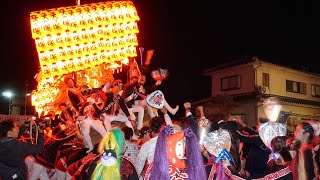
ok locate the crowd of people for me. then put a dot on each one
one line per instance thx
(195, 148)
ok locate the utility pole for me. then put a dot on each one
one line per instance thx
(26, 96)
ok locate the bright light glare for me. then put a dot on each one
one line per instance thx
(7, 94)
(275, 113)
(272, 108)
(28, 94)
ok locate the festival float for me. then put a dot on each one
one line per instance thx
(85, 42)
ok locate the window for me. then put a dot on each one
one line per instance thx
(265, 79)
(230, 83)
(296, 87)
(315, 90)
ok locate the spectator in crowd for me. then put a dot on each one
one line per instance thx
(13, 151)
(131, 150)
(304, 164)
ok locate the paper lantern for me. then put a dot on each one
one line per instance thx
(98, 26)
(83, 38)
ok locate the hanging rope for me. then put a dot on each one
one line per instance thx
(32, 139)
(32, 122)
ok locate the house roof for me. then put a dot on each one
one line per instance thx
(232, 62)
(248, 60)
(295, 100)
(256, 95)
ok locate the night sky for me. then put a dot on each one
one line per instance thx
(187, 36)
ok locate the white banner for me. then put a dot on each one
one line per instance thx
(19, 119)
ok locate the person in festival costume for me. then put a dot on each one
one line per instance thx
(110, 164)
(147, 150)
(278, 164)
(66, 157)
(280, 158)
(46, 159)
(66, 114)
(169, 161)
(74, 95)
(258, 153)
(91, 120)
(129, 95)
(304, 165)
(79, 169)
(114, 109)
(317, 150)
(141, 90)
(145, 135)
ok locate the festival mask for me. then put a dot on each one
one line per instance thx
(108, 157)
(176, 150)
(156, 99)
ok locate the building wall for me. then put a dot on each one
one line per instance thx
(248, 109)
(252, 78)
(278, 76)
(247, 80)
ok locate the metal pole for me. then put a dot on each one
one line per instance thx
(9, 105)
(25, 100)
(25, 105)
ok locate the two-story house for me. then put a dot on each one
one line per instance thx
(250, 81)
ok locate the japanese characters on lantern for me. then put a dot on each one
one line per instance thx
(81, 38)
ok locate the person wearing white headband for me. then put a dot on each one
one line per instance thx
(304, 164)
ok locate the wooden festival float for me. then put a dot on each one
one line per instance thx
(85, 42)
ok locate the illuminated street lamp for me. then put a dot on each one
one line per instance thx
(9, 95)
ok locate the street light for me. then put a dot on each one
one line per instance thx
(25, 103)
(9, 95)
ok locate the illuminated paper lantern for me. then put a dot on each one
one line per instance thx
(68, 32)
(88, 38)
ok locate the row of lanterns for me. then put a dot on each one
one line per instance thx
(71, 19)
(84, 62)
(69, 52)
(52, 41)
(125, 44)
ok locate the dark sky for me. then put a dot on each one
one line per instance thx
(187, 36)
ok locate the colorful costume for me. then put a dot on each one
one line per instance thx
(169, 161)
(109, 164)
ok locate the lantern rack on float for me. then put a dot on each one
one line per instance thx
(83, 40)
